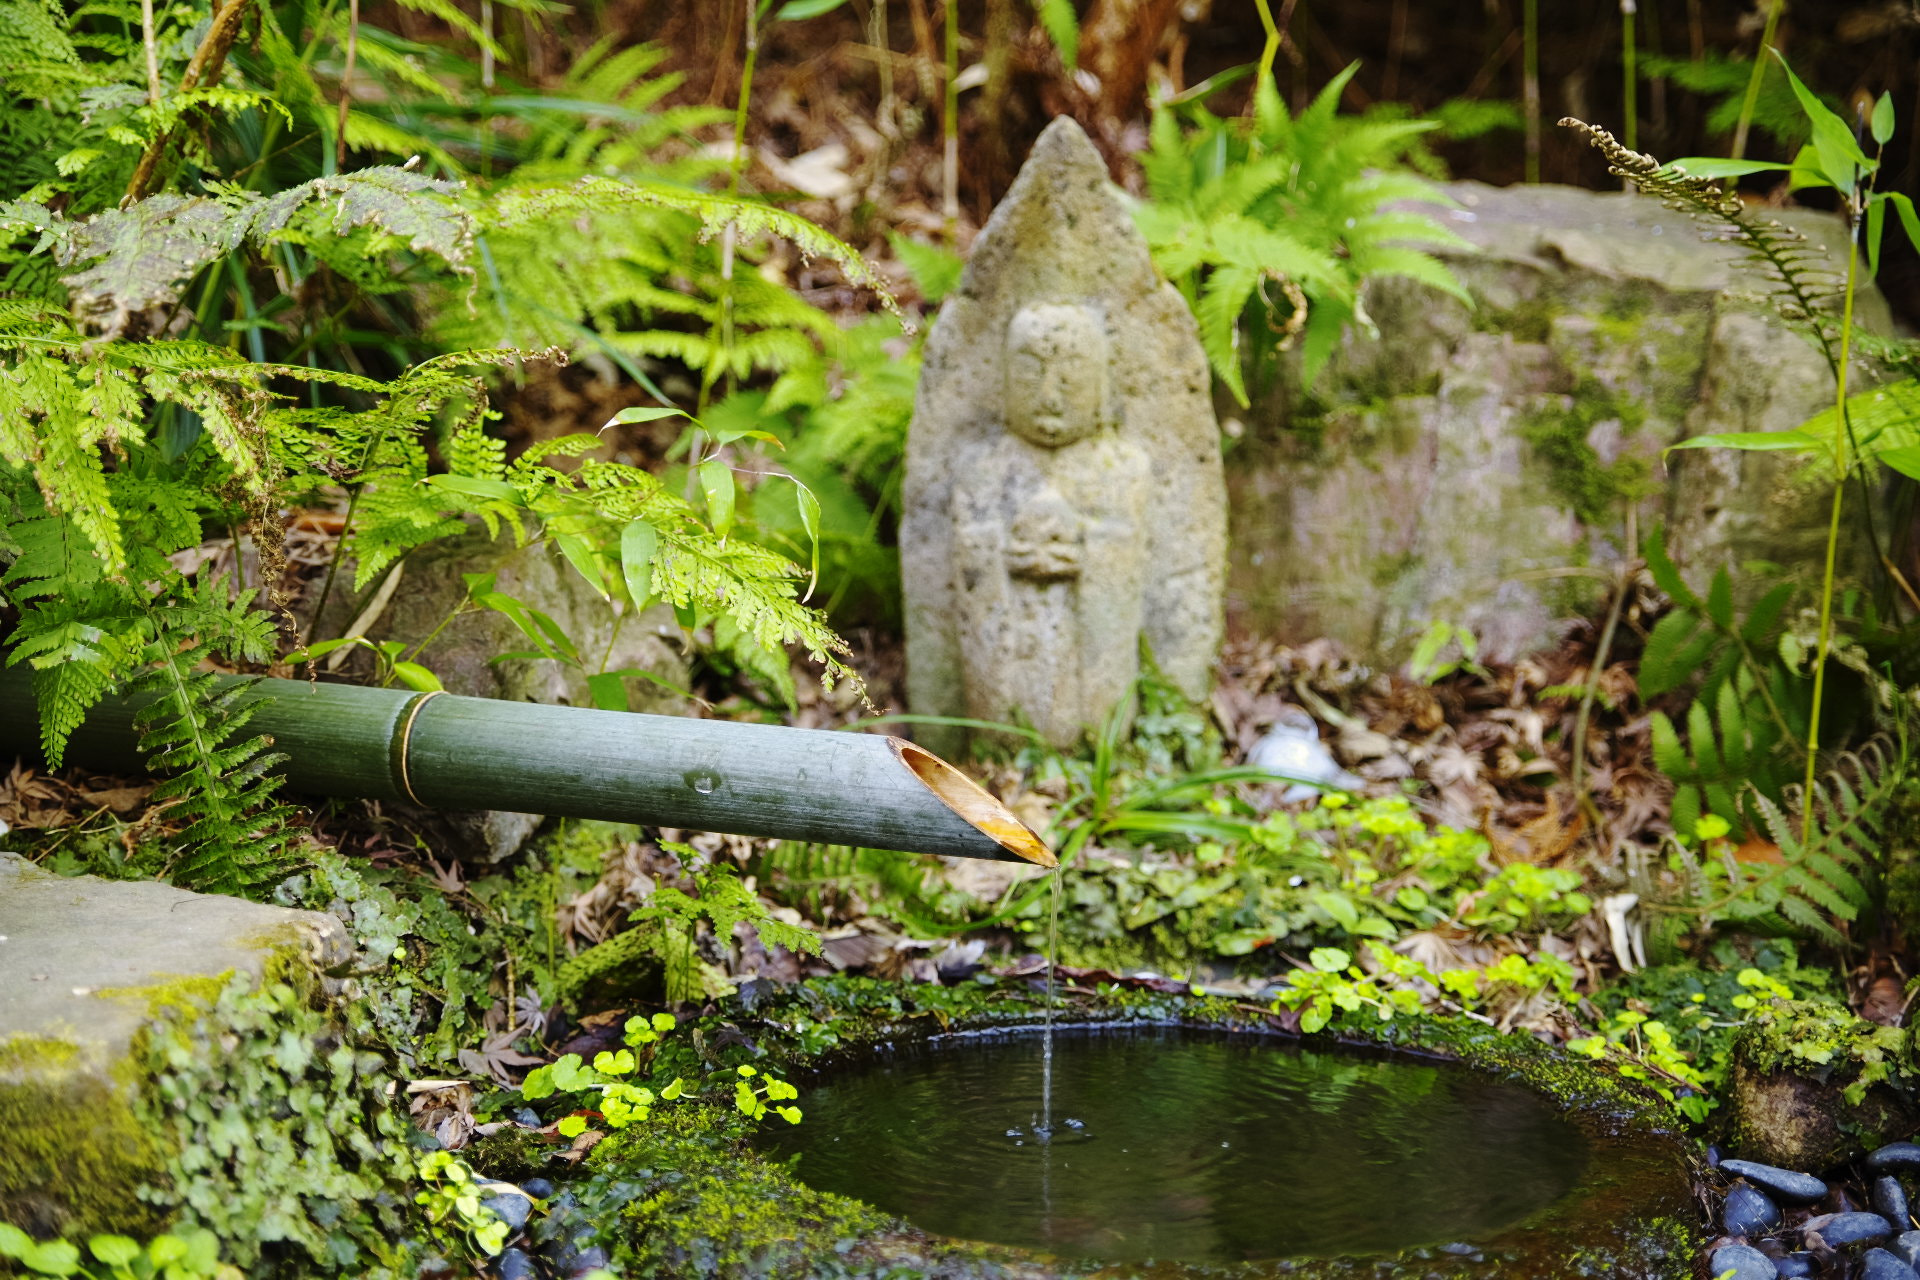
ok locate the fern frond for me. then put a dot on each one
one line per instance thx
(1803, 286)
(593, 195)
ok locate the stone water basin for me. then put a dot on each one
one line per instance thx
(1188, 1151)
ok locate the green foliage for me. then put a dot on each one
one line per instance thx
(1798, 279)
(138, 258)
(1244, 211)
(1748, 711)
(454, 1210)
(1443, 649)
(669, 930)
(421, 961)
(1723, 80)
(188, 1255)
(606, 1089)
(1838, 874)
(118, 446)
(278, 1117)
(1394, 985)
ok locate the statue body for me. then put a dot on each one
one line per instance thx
(1049, 552)
(1063, 497)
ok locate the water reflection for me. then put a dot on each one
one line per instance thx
(1188, 1147)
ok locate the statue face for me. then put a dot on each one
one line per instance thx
(1056, 375)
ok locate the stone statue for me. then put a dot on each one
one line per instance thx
(1063, 497)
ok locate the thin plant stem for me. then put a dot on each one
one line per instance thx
(1587, 695)
(203, 68)
(1630, 88)
(346, 83)
(151, 42)
(729, 238)
(486, 89)
(1276, 32)
(1739, 148)
(950, 132)
(1530, 82)
(1271, 49)
(1833, 544)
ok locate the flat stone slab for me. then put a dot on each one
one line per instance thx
(85, 964)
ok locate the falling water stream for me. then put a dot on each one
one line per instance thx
(1045, 1129)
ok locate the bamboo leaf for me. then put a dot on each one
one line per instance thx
(1795, 441)
(1881, 122)
(716, 482)
(1840, 157)
(584, 561)
(638, 543)
(809, 521)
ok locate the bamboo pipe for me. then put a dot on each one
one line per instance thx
(448, 752)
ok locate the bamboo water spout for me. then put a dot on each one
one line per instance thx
(449, 752)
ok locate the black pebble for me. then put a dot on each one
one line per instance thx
(1890, 1200)
(1895, 1157)
(513, 1209)
(1906, 1247)
(1783, 1184)
(514, 1264)
(1881, 1265)
(527, 1118)
(1748, 1212)
(1744, 1261)
(538, 1188)
(1795, 1266)
(592, 1258)
(1849, 1228)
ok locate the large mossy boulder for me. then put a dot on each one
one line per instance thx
(1812, 1085)
(105, 990)
(1483, 467)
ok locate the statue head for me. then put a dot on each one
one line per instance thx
(1056, 374)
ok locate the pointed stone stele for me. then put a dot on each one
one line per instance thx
(85, 964)
(1063, 498)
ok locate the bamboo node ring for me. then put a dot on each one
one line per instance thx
(403, 739)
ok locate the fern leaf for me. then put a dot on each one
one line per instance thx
(1223, 296)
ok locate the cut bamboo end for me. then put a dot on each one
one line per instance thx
(972, 803)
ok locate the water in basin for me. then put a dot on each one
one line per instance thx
(1184, 1146)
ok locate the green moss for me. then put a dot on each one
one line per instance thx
(1592, 489)
(1827, 1038)
(1529, 320)
(77, 1151)
(511, 1154)
(189, 994)
(283, 1136)
(84, 1152)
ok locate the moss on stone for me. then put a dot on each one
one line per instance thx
(281, 1133)
(1593, 490)
(1528, 320)
(1812, 1085)
(77, 1151)
(185, 994)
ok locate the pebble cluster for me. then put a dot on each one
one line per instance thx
(1778, 1222)
(566, 1247)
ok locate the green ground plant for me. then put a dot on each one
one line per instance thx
(189, 1255)
(604, 1091)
